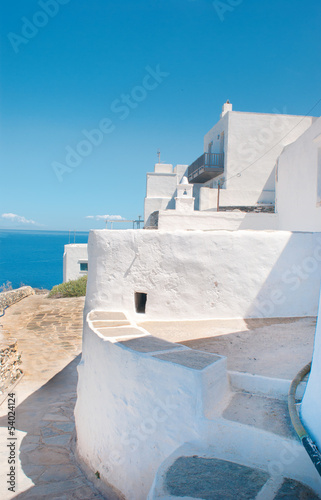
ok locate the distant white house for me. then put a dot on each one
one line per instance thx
(75, 261)
(161, 187)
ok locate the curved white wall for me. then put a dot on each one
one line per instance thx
(311, 406)
(139, 398)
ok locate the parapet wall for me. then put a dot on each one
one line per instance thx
(204, 274)
(13, 296)
(10, 361)
(139, 398)
(169, 220)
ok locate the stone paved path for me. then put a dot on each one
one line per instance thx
(49, 334)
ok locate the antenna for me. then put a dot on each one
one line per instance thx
(158, 154)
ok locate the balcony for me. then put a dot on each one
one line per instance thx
(206, 167)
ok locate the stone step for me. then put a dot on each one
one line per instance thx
(109, 323)
(202, 477)
(107, 315)
(265, 413)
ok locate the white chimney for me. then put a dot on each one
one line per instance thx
(227, 106)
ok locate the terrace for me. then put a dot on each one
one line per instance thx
(206, 167)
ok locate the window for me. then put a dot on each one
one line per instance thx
(83, 266)
(140, 302)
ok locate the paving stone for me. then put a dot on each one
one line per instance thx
(33, 471)
(60, 473)
(44, 455)
(86, 493)
(26, 448)
(293, 490)
(59, 402)
(55, 417)
(192, 359)
(61, 440)
(213, 479)
(48, 490)
(50, 335)
(49, 432)
(65, 427)
(147, 344)
(31, 439)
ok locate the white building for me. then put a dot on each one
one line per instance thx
(246, 146)
(75, 261)
(161, 188)
(153, 399)
(298, 194)
(235, 171)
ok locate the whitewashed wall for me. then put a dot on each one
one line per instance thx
(207, 198)
(299, 175)
(253, 142)
(74, 254)
(214, 136)
(205, 274)
(311, 406)
(161, 188)
(171, 220)
(137, 402)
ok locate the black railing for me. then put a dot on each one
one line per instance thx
(206, 167)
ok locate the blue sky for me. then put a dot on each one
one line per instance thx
(149, 74)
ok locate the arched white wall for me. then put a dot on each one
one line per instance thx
(311, 406)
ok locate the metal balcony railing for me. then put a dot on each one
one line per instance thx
(206, 167)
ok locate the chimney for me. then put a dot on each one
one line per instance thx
(227, 106)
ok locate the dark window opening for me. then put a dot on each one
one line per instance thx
(140, 302)
(83, 266)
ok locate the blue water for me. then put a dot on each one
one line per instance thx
(34, 258)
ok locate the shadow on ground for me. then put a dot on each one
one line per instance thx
(276, 348)
(47, 418)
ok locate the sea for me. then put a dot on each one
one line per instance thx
(34, 258)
